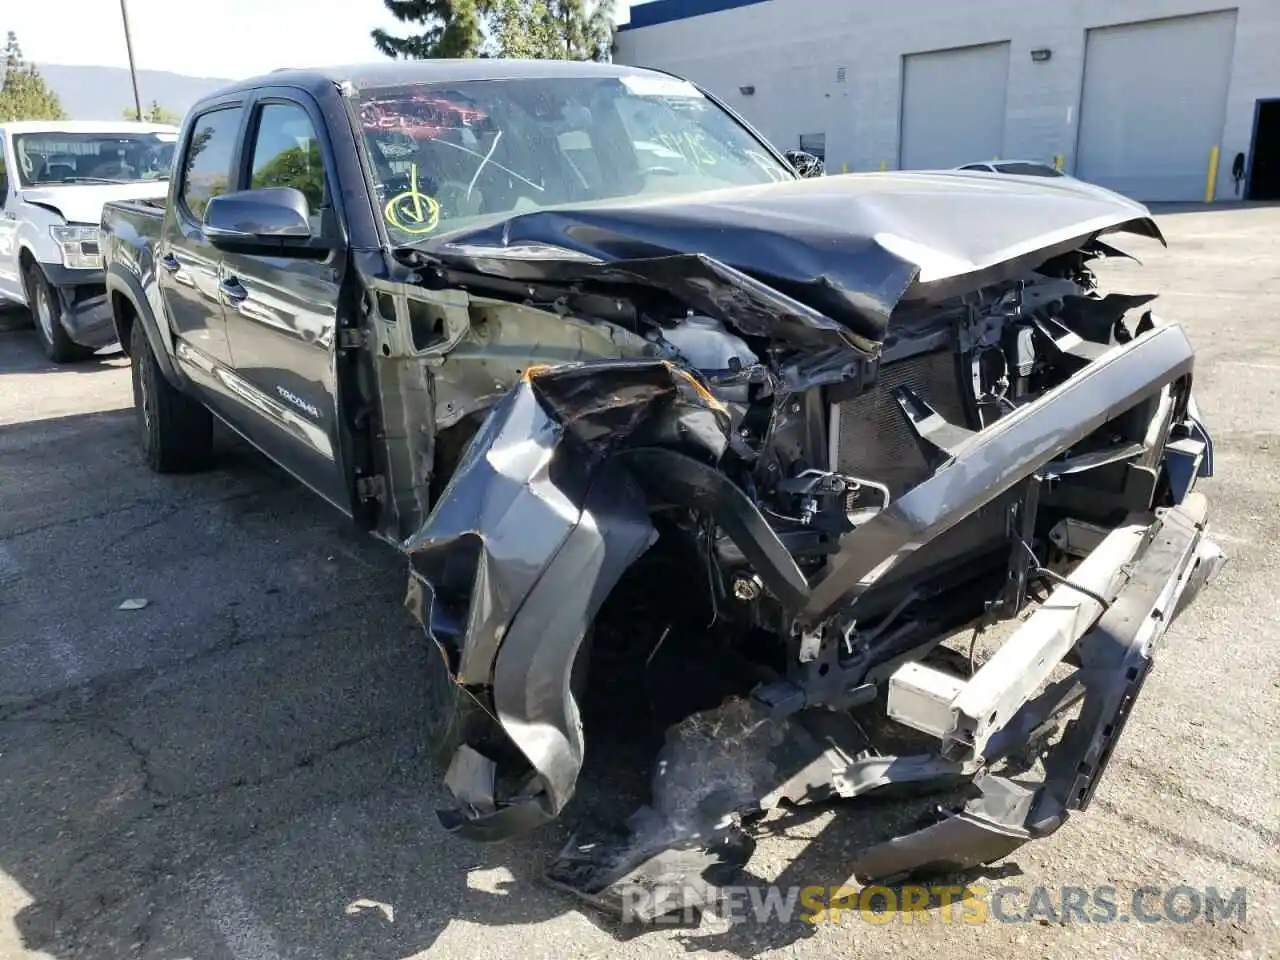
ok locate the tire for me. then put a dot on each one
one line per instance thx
(175, 431)
(46, 311)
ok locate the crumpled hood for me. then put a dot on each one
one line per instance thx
(849, 248)
(82, 202)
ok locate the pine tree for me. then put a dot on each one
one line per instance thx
(553, 29)
(530, 29)
(23, 94)
(450, 28)
(524, 29)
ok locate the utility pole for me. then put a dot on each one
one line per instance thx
(128, 43)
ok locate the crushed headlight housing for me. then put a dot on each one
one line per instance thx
(79, 246)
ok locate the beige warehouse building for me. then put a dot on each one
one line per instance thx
(1137, 95)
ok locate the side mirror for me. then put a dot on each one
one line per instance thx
(270, 217)
(805, 163)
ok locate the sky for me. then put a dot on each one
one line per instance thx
(206, 38)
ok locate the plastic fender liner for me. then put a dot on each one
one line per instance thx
(681, 479)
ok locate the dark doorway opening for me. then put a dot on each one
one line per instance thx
(1264, 166)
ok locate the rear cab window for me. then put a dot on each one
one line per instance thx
(206, 161)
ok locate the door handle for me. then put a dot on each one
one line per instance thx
(232, 291)
(170, 263)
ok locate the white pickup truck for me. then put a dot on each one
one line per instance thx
(54, 178)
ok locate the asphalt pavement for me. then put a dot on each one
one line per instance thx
(239, 768)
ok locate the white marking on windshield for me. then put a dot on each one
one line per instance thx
(476, 176)
(473, 153)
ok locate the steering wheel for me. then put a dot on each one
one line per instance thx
(111, 171)
(454, 201)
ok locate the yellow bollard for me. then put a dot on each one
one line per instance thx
(884, 165)
(844, 167)
(1211, 182)
(1059, 162)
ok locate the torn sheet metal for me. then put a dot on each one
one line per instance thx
(520, 489)
(720, 769)
(536, 526)
(552, 503)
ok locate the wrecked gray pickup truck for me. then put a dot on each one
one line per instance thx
(580, 334)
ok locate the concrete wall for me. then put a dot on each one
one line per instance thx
(791, 52)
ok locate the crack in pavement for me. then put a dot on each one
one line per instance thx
(1167, 783)
(62, 914)
(96, 686)
(234, 638)
(163, 800)
(1189, 844)
(125, 508)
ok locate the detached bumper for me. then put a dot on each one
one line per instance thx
(1115, 656)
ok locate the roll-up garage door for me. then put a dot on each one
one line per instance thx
(953, 104)
(1154, 103)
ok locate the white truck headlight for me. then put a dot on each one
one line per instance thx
(79, 246)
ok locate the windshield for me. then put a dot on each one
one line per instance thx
(1023, 169)
(52, 158)
(451, 154)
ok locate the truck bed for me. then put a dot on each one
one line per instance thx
(129, 231)
(151, 208)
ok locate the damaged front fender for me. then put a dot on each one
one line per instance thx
(539, 521)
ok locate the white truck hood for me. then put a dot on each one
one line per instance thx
(82, 202)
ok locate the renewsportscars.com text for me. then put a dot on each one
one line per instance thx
(972, 904)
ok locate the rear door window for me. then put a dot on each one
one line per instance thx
(206, 163)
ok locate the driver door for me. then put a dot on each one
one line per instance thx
(281, 311)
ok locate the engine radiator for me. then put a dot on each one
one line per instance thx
(872, 440)
(872, 437)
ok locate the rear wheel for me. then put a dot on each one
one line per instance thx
(175, 431)
(46, 309)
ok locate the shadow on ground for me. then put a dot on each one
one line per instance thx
(20, 350)
(240, 768)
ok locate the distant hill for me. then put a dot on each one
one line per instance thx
(101, 93)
